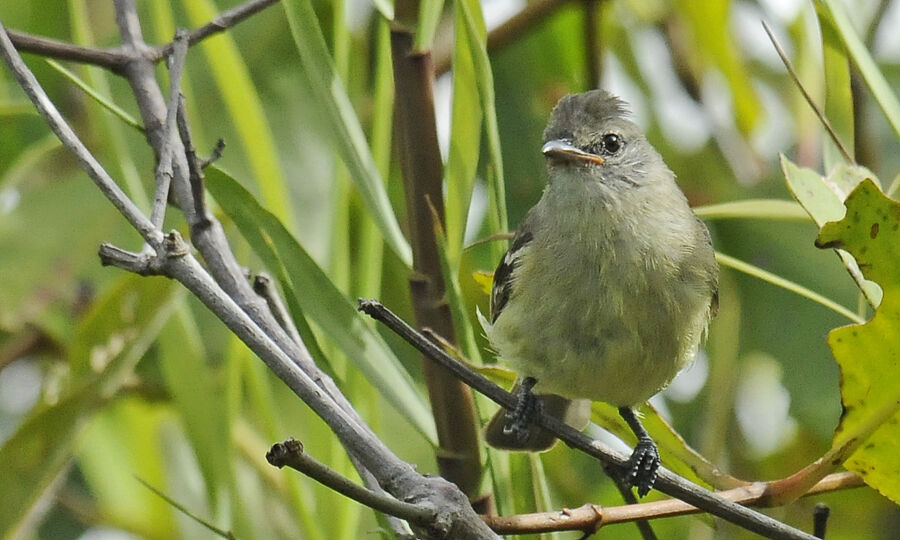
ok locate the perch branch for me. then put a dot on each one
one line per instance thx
(667, 481)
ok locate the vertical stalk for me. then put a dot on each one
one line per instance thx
(451, 401)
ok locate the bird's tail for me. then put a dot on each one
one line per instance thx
(575, 413)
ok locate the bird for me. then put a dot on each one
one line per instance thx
(608, 286)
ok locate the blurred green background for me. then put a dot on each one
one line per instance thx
(109, 378)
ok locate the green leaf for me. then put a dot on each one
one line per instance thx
(108, 344)
(869, 354)
(461, 322)
(429, 16)
(371, 245)
(674, 451)
(786, 284)
(196, 390)
(16, 107)
(771, 209)
(36, 155)
(385, 7)
(307, 285)
(823, 199)
(465, 140)
(838, 95)
(708, 22)
(346, 134)
(875, 80)
(97, 96)
(477, 37)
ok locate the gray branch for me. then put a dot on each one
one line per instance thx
(667, 481)
(164, 172)
(225, 291)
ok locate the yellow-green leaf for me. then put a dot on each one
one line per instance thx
(823, 199)
(869, 354)
(346, 134)
(308, 288)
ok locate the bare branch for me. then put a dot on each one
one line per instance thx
(667, 481)
(116, 59)
(111, 59)
(214, 155)
(222, 22)
(195, 166)
(164, 172)
(290, 453)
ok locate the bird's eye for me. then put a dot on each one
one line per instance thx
(612, 143)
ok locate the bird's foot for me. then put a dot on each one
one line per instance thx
(522, 417)
(642, 466)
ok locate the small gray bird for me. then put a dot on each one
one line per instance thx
(608, 286)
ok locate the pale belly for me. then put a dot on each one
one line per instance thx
(614, 341)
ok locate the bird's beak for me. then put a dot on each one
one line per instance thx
(560, 149)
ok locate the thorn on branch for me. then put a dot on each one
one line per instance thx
(214, 155)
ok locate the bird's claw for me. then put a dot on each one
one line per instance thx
(521, 418)
(643, 465)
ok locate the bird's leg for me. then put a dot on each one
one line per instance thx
(644, 459)
(528, 405)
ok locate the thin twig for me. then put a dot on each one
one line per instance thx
(667, 481)
(186, 511)
(115, 59)
(290, 453)
(819, 114)
(164, 171)
(222, 22)
(88, 162)
(111, 59)
(214, 155)
(195, 166)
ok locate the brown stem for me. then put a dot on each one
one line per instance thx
(451, 401)
(590, 517)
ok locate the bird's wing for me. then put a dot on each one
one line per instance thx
(503, 275)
